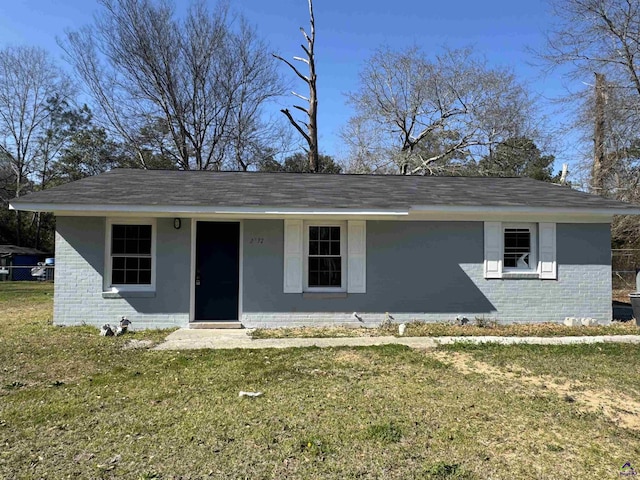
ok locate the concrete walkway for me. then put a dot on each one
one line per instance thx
(186, 339)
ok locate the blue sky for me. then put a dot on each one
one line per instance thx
(348, 31)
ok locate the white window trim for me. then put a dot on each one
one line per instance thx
(343, 255)
(543, 246)
(533, 255)
(108, 287)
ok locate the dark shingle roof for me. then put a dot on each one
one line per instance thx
(246, 189)
(9, 250)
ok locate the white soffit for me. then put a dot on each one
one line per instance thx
(418, 212)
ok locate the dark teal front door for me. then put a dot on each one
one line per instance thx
(217, 270)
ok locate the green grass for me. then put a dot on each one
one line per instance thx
(77, 405)
(423, 329)
(387, 432)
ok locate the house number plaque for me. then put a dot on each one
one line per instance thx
(256, 240)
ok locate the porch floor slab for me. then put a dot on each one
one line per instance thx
(189, 339)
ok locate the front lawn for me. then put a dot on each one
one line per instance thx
(76, 405)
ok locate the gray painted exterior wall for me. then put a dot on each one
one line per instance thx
(78, 289)
(431, 271)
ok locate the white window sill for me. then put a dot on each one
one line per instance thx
(520, 275)
(323, 295)
(109, 294)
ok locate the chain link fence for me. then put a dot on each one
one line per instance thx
(17, 273)
(624, 263)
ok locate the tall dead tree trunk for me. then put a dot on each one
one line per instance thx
(19, 184)
(311, 133)
(599, 156)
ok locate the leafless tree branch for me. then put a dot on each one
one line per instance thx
(311, 135)
(206, 75)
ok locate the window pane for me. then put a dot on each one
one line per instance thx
(145, 277)
(131, 263)
(517, 248)
(335, 264)
(118, 263)
(144, 232)
(325, 248)
(117, 246)
(325, 272)
(131, 231)
(131, 250)
(117, 277)
(324, 279)
(510, 260)
(118, 231)
(313, 264)
(516, 237)
(324, 262)
(131, 239)
(131, 277)
(131, 246)
(144, 246)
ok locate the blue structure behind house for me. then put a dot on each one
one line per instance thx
(14, 256)
(22, 274)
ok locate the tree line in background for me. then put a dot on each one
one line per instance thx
(603, 37)
(194, 90)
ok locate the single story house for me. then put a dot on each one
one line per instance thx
(187, 248)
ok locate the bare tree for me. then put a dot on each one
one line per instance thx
(599, 156)
(254, 136)
(199, 77)
(29, 80)
(597, 35)
(603, 36)
(414, 114)
(600, 36)
(310, 124)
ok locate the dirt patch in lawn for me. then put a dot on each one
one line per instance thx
(619, 408)
(355, 357)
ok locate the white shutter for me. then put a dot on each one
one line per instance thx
(357, 256)
(293, 256)
(493, 249)
(548, 265)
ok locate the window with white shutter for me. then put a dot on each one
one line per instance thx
(357, 256)
(492, 250)
(293, 254)
(548, 264)
(325, 256)
(511, 249)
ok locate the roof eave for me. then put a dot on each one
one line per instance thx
(61, 209)
(155, 210)
(516, 209)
